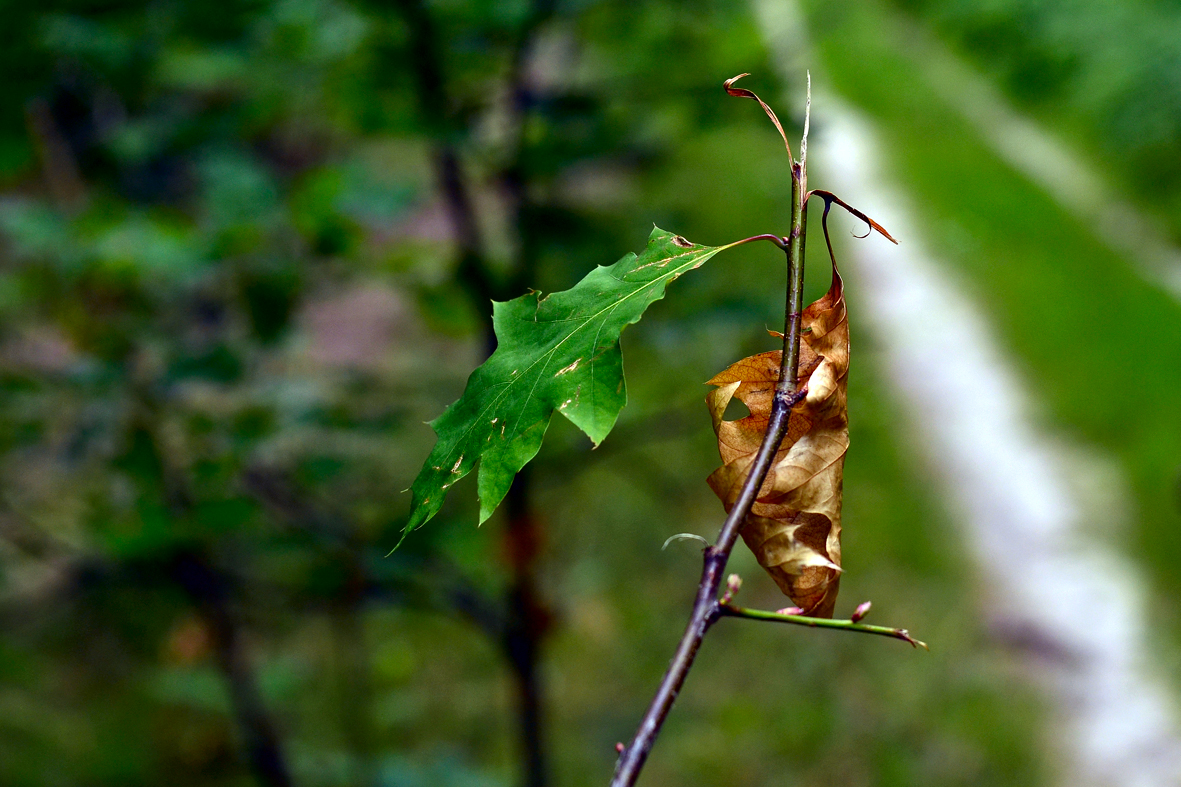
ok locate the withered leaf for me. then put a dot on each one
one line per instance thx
(794, 528)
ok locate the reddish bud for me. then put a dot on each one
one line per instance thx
(733, 583)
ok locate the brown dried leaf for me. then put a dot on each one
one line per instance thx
(794, 528)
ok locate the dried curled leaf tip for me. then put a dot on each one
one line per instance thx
(829, 198)
(741, 92)
(737, 91)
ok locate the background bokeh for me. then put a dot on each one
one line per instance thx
(247, 249)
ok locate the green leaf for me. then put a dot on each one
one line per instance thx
(560, 352)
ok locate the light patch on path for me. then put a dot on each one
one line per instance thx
(1062, 591)
(1081, 604)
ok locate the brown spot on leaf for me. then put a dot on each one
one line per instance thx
(679, 241)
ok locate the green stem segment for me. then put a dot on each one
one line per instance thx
(729, 610)
(789, 370)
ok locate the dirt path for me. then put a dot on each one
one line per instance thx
(1055, 591)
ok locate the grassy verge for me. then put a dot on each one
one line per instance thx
(1099, 347)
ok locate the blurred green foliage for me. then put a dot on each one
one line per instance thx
(234, 283)
(1107, 72)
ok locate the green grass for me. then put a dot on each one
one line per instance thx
(1098, 346)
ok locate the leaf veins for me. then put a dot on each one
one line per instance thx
(560, 352)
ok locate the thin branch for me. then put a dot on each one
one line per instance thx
(793, 311)
(706, 610)
(731, 611)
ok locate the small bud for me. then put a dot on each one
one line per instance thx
(789, 611)
(619, 747)
(861, 611)
(733, 582)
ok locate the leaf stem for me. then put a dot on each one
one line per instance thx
(729, 610)
(706, 609)
(778, 241)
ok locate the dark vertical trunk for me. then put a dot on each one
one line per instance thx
(209, 590)
(526, 625)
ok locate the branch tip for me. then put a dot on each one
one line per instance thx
(904, 635)
(807, 123)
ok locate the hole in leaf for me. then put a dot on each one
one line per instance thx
(736, 410)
